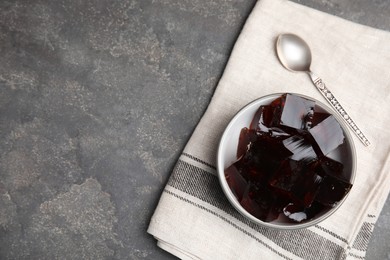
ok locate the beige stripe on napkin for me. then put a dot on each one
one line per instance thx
(193, 219)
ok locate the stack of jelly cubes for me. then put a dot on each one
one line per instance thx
(283, 171)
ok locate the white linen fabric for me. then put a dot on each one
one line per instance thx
(194, 220)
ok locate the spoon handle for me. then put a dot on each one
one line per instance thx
(337, 106)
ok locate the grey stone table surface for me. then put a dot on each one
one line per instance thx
(97, 100)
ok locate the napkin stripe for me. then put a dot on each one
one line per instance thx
(363, 237)
(228, 221)
(356, 256)
(331, 233)
(200, 184)
(205, 186)
(199, 160)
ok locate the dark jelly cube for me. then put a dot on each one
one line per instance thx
(272, 148)
(308, 188)
(328, 135)
(295, 112)
(251, 206)
(300, 148)
(332, 190)
(286, 177)
(262, 122)
(262, 119)
(266, 150)
(314, 209)
(261, 159)
(236, 182)
(259, 201)
(252, 172)
(247, 136)
(295, 181)
(327, 166)
(277, 109)
(279, 102)
(318, 117)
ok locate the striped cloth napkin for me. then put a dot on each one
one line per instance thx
(194, 220)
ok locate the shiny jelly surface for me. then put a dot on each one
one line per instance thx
(282, 169)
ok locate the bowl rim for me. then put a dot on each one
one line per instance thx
(229, 194)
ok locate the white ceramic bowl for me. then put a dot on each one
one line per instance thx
(227, 151)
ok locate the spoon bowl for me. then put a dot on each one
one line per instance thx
(295, 54)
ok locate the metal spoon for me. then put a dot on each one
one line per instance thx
(295, 55)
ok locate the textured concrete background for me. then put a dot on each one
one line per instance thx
(97, 99)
